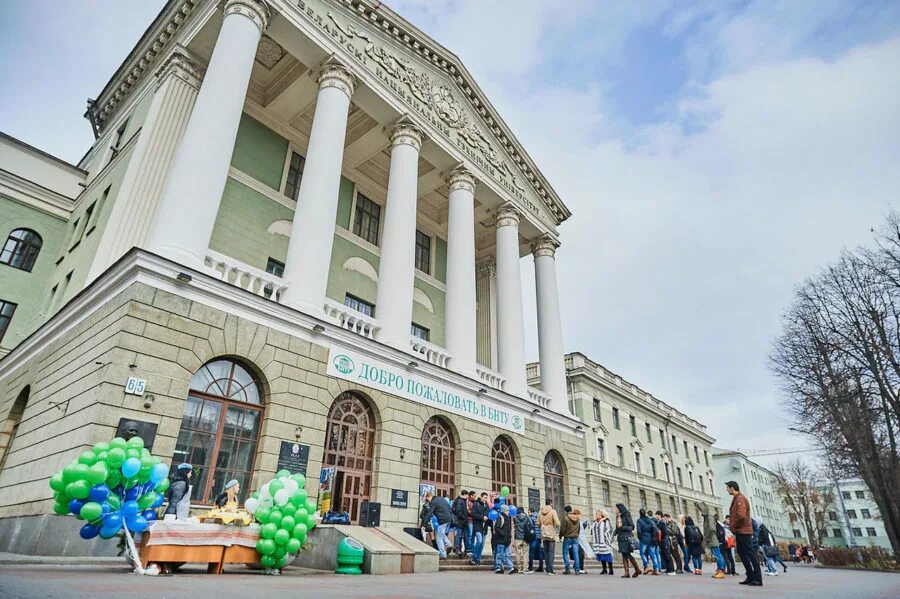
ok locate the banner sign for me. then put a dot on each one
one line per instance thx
(293, 457)
(326, 486)
(355, 367)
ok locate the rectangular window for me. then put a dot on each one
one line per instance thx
(687, 455)
(846, 494)
(857, 532)
(860, 494)
(620, 456)
(824, 532)
(837, 532)
(871, 532)
(697, 454)
(711, 486)
(796, 533)
(601, 450)
(87, 219)
(691, 479)
(659, 502)
(851, 514)
(637, 462)
(675, 444)
(832, 515)
(354, 303)
(273, 267)
(294, 175)
(616, 419)
(626, 495)
(597, 413)
(633, 424)
(420, 332)
(680, 479)
(605, 487)
(668, 473)
(117, 141)
(865, 513)
(649, 432)
(423, 252)
(653, 467)
(673, 506)
(700, 480)
(643, 498)
(662, 438)
(706, 457)
(367, 219)
(7, 309)
(76, 237)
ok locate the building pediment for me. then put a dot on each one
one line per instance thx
(636, 443)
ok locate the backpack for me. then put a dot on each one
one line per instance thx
(693, 535)
(529, 531)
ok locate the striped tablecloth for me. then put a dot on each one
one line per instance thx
(176, 533)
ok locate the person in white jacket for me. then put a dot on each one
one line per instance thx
(601, 537)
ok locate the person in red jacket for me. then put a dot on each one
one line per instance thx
(742, 527)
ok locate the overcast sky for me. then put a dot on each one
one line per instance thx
(714, 155)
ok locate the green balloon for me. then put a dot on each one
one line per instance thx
(101, 456)
(280, 562)
(91, 511)
(282, 474)
(147, 461)
(504, 491)
(311, 521)
(118, 443)
(279, 552)
(262, 515)
(293, 545)
(114, 502)
(298, 499)
(163, 486)
(267, 531)
(311, 506)
(267, 561)
(301, 515)
(300, 532)
(136, 443)
(57, 483)
(282, 536)
(81, 471)
(255, 494)
(61, 497)
(275, 486)
(87, 458)
(101, 447)
(143, 474)
(79, 489)
(130, 482)
(265, 546)
(114, 478)
(98, 473)
(146, 500)
(68, 472)
(275, 517)
(288, 523)
(301, 480)
(132, 452)
(61, 508)
(115, 457)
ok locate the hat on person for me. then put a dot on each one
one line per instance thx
(232, 483)
(184, 466)
(504, 508)
(733, 485)
(568, 508)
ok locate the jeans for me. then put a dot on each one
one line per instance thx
(477, 546)
(650, 554)
(443, 542)
(459, 535)
(470, 537)
(502, 558)
(770, 564)
(687, 558)
(720, 561)
(654, 554)
(698, 562)
(573, 543)
(549, 554)
(645, 554)
(535, 552)
(746, 548)
(728, 555)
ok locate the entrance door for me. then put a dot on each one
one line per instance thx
(350, 447)
(438, 458)
(553, 481)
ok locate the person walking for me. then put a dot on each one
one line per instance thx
(480, 511)
(742, 527)
(470, 523)
(676, 542)
(684, 550)
(711, 540)
(440, 509)
(625, 539)
(502, 535)
(460, 512)
(769, 547)
(535, 551)
(792, 552)
(665, 548)
(694, 539)
(569, 529)
(550, 524)
(523, 530)
(601, 541)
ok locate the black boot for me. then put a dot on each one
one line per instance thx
(604, 568)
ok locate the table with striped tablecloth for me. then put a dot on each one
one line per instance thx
(214, 544)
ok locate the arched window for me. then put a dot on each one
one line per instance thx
(11, 425)
(503, 468)
(439, 457)
(220, 427)
(554, 481)
(350, 448)
(21, 249)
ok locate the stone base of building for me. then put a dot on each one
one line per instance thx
(49, 534)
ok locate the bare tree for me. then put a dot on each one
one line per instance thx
(805, 492)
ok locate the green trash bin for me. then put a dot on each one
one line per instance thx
(350, 555)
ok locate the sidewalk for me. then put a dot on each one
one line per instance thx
(17, 559)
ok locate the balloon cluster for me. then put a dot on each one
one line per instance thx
(501, 500)
(286, 515)
(111, 485)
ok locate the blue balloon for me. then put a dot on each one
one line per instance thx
(160, 499)
(513, 510)
(132, 494)
(501, 500)
(108, 533)
(75, 506)
(131, 467)
(112, 520)
(89, 531)
(99, 493)
(158, 473)
(149, 515)
(493, 515)
(130, 509)
(106, 508)
(136, 523)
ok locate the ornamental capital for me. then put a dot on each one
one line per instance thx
(334, 74)
(506, 216)
(405, 132)
(486, 268)
(256, 10)
(544, 246)
(461, 178)
(180, 64)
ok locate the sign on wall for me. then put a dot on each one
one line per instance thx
(326, 486)
(135, 386)
(399, 498)
(534, 499)
(293, 457)
(358, 368)
(129, 428)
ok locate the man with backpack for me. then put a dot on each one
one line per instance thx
(524, 534)
(501, 537)
(536, 551)
(460, 512)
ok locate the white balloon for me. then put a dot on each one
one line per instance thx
(282, 496)
(251, 505)
(266, 501)
(264, 490)
(290, 485)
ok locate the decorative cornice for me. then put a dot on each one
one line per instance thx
(461, 178)
(486, 268)
(507, 216)
(544, 246)
(406, 133)
(180, 64)
(337, 75)
(255, 10)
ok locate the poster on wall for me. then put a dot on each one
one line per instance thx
(293, 457)
(534, 499)
(425, 488)
(326, 486)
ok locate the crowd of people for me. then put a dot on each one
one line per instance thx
(664, 544)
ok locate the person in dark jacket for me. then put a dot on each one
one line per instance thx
(480, 511)
(535, 551)
(624, 535)
(460, 512)
(502, 537)
(440, 509)
(178, 491)
(665, 548)
(676, 543)
(694, 539)
(521, 527)
(569, 531)
(646, 534)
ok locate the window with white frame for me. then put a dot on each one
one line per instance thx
(367, 219)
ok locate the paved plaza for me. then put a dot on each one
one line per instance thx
(91, 581)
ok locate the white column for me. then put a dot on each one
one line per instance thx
(312, 233)
(510, 319)
(190, 200)
(486, 294)
(459, 314)
(396, 272)
(550, 343)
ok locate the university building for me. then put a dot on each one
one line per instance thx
(297, 241)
